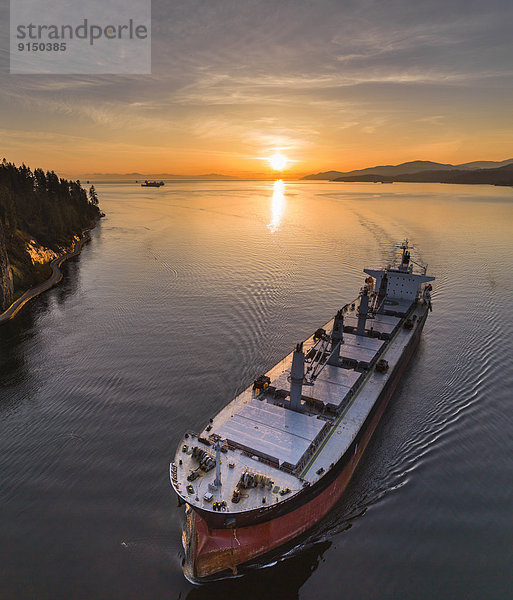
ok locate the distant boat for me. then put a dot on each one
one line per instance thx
(152, 183)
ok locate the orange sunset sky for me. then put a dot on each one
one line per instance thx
(328, 84)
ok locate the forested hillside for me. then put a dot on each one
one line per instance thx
(42, 211)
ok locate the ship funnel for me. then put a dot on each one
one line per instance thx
(297, 373)
(362, 312)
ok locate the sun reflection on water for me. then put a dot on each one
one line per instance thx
(277, 205)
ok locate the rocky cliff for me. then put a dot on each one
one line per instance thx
(6, 281)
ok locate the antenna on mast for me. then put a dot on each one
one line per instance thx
(405, 258)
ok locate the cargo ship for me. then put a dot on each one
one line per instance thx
(278, 457)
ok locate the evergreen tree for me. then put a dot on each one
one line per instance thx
(44, 206)
(93, 196)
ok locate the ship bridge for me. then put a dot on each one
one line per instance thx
(400, 283)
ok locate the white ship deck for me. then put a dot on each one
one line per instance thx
(272, 432)
(330, 388)
(265, 437)
(349, 423)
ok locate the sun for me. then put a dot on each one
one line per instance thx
(277, 161)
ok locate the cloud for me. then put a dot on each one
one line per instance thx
(231, 77)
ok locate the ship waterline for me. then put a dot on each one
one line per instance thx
(277, 458)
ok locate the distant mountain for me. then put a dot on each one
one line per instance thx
(407, 167)
(416, 166)
(485, 164)
(499, 176)
(325, 175)
(143, 176)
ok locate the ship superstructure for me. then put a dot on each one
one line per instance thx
(271, 463)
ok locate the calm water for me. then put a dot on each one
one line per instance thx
(184, 295)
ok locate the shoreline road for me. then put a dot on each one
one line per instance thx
(54, 278)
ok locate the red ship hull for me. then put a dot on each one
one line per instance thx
(211, 551)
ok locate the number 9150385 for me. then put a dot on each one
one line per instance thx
(42, 47)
